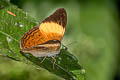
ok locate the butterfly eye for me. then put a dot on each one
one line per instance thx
(54, 40)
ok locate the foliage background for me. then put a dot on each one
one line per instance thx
(93, 26)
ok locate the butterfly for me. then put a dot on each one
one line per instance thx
(45, 39)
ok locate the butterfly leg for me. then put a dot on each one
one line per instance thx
(54, 60)
(43, 60)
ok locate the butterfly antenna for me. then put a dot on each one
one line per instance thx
(64, 46)
(71, 43)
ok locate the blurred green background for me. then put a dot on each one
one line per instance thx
(92, 26)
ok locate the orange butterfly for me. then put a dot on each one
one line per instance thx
(45, 39)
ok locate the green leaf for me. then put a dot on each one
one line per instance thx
(12, 28)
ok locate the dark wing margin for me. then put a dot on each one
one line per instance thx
(59, 16)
